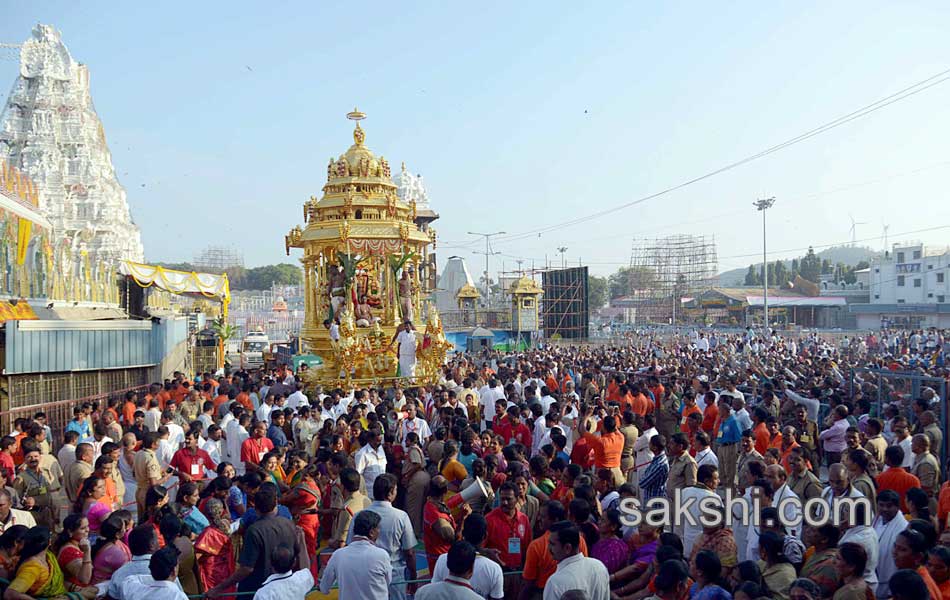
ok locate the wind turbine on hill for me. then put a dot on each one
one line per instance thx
(854, 228)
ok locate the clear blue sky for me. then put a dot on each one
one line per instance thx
(519, 115)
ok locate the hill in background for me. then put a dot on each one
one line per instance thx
(849, 255)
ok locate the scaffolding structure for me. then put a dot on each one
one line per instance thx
(218, 258)
(565, 310)
(664, 271)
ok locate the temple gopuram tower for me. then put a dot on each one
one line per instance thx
(365, 256)
(49, 131)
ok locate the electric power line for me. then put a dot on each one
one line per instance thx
(907, 92)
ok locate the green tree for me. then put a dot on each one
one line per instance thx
(810, 266)
(781, 273)
(597, 291)
(752, 276)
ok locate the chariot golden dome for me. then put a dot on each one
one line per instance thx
(358, 163)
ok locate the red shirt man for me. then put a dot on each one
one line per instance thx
(191, 461)
(513, 430)
(255, 447)
(509, 531)
(434, 543)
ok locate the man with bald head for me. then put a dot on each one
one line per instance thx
(839, 484)
(926, 468)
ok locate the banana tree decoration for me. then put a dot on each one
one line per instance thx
(349, 263)
(225, 331)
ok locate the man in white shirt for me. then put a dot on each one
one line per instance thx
(285, 583)
(574, 570)
(370, 460)
(298, 398)
(235, 435)
(642, 455)
(414, 424)
(406, 338)
(460, 560)
(153, 416)
(67, 454)
(162, 581)
(176, 434)
(143, 541)
(487, 578)
(704, 454)
(887, 525)
(741, 414)
(360, 568)
(707, 480)
(783, 496)
(263, 411)
(857, 532)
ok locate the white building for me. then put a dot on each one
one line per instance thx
(49, 130)
(909, 287)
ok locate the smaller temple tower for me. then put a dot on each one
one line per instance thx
(525, 294)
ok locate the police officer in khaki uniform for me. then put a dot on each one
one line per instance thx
(34, 489)
(146, 469)
(682, 470)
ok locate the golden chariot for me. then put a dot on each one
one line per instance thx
(367, 268)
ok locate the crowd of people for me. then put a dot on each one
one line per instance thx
(513, 477)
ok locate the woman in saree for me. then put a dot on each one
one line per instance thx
(177, 533)
(90, 505)
(38, 574)
(415, 479)
(270, 471)
(450, 468)
(110, 552)
(304, 501)
(156, 506)
(188, 498)
(11, 542)
(298, 464)
(214, 551)
(73, 552)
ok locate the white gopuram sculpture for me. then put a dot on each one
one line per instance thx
(49, 129)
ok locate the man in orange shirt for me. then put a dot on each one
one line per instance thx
(896, 477)
(164, 396)
(539, 565)
(128, 409)
(657, 389)
(689, 407)
(759, 430)
(641, 404)
(775, 436)
(710, 413)
(607, 446)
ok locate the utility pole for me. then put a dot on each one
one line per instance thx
(562, 250)
(762, 205)
(488, 253)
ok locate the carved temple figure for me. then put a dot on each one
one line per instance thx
(337, 288)
(405, 295)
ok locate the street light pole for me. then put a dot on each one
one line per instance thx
(562, 250)
(762, 205)
(488, 253)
